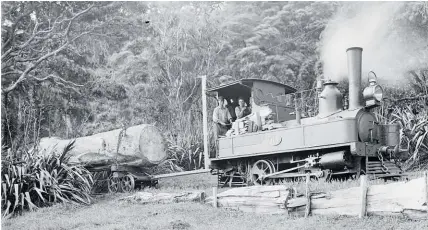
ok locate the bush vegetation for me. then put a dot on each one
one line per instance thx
(42, 179)
(413, 133)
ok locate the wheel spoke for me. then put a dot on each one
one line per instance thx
(260, 169)
(127, 183)
(113, 184)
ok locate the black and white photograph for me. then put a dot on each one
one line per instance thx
(214, 115)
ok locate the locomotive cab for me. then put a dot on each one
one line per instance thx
(260, 95)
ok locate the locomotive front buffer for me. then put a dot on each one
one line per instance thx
(319, 132)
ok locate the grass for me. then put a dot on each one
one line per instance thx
(110, 213)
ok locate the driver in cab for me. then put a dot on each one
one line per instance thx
(221, 118)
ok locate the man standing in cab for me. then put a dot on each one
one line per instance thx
(221, 118)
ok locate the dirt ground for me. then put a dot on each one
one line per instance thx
(108, 212)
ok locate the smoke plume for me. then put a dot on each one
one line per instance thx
(389, 49)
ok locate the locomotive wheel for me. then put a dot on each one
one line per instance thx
(260, 169)
(127, 183)
(113, 184)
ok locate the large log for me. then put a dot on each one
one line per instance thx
(257, 191)
(257, 199)
(141, 145)
(395, 199)
(407, 198)
(247, 201)
(164, 198)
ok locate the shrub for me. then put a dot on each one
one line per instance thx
(413, 134)
(189, 157)
(41, 180)
(412, 116)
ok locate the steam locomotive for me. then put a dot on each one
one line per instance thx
(276, 143)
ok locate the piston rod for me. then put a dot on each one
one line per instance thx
(283, 171)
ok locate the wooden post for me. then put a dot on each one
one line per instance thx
(294, 192)
(426, 188)
(205, 122)
(215, 196)
(363, 186)
(308, 196)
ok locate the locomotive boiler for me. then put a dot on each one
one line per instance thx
(278, 142)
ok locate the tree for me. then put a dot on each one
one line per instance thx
(48, 51)
(36, 33)
(281, 43)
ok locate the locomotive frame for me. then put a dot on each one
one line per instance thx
(340, 140)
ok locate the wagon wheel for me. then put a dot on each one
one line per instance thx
(260, 169)
(127, 183)
(113, 184)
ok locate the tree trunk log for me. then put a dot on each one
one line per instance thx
(258, 199)
(394, 199)
(164, 198)
(256, 191)
(407, 199)
(141, 145)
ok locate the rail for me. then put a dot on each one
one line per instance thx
(185, 173)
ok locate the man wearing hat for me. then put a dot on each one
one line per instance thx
(221, 118)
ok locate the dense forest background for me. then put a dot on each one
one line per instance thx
(71, 69)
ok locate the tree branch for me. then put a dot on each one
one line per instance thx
(12, 31)
(48, 55)
(33, 35)
(191, 94)
(180, 85)
(67, 31)
(32, 67)
(26, 60)
(11, 72)
(6, 54)
(51, 76)
(38, 51)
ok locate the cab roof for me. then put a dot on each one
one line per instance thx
(248, 83)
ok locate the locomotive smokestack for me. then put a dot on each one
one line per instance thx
(354, 75)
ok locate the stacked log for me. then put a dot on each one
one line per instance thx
(141, 145)
(396, 199)
(165, 198)
(258, 199)
(408, 199)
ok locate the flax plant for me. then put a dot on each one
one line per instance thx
(40, 180)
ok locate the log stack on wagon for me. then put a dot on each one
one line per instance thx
(141, 145)
(125, 153)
